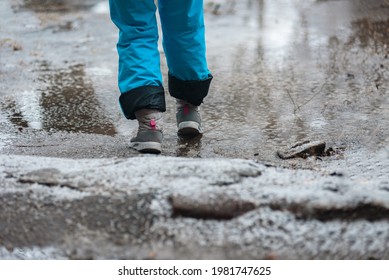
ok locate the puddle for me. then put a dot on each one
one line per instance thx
(296, 71)
(69, 104)
(47, 6)
(65, 102)
(284, 72)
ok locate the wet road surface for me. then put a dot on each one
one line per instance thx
(284, 72)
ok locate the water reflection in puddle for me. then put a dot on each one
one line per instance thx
(69, 103)
(288, 70)
(284, 71)
(65, 102)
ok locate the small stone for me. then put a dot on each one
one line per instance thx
(304, 150)
(45, 176)
(16, 46)
(221, 208)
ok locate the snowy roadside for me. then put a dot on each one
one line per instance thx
(162, 207)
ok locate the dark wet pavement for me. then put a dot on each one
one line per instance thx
(285, 72)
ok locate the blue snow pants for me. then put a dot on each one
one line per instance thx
(140, 79)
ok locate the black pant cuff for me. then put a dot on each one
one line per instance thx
(146, 97)
(193, 92)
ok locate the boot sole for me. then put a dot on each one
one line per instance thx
(146, 147)
(189, 129)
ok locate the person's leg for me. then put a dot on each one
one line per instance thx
(140, 80)
(184, 45)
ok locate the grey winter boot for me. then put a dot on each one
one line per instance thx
(188, 119)
(149, 136)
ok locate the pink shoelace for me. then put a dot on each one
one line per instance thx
(153, 124)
